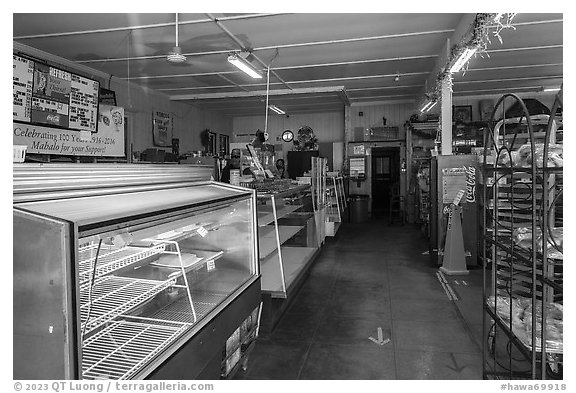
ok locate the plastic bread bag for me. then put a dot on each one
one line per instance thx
(509, 159)
(554, 324)
(554, 159)
(502, 306)
(555, 242)
(523, 237)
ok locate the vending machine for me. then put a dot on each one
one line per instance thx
(449, 175)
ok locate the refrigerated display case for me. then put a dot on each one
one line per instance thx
(131, 282)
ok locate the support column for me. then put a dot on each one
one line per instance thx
(347, 134)
(446, 117)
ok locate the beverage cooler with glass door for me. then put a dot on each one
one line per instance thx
(135, 283)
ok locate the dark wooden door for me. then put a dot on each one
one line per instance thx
(385, 177)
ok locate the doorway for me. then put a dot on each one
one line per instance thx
(385, 178)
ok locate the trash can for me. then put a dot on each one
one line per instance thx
(358, 208)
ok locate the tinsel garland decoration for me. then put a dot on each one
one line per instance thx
(478, 37)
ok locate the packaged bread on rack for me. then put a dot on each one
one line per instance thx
(523, 238)
(554, 325)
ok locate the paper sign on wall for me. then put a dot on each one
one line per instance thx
(162, 128)
(359, 150)
(453, 180)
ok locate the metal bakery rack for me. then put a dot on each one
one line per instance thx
(522, 244)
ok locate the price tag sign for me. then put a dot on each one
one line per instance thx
(202, 231)
(211, 265)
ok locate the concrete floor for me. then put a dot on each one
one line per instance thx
(372, 276)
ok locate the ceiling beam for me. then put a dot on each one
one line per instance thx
(381, 102)
(284, 106)
(358, 39)
(558, 46)
(510, 79)
(257, 93)
(300, 81)
(514, 67)
(344, 97)
(140, 27)
(383, 87)
(505, 89)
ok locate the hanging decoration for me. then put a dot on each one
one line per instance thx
(485, 26)
(306, 140)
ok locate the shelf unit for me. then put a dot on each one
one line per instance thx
(523, 281)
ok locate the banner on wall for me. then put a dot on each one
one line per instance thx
(108, 141)
(162, 128)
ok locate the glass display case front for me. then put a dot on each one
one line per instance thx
(150, 269)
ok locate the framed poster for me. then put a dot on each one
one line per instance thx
(107, 97)
(462, 113)
(162, 129)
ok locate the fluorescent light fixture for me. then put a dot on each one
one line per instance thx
(552, 89)
(244, 65)
(425, 107)
(431, 106)
(464, 57)
(276, 109)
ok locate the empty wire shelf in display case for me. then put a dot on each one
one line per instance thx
(523, 245)
(127, 283)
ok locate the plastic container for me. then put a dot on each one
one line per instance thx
(358, 208)
(19, 153)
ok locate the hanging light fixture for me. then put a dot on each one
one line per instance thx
(274, 108)
(241, 63)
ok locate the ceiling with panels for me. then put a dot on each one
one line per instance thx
(317, 62)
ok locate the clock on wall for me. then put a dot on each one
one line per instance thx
(287, 136)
